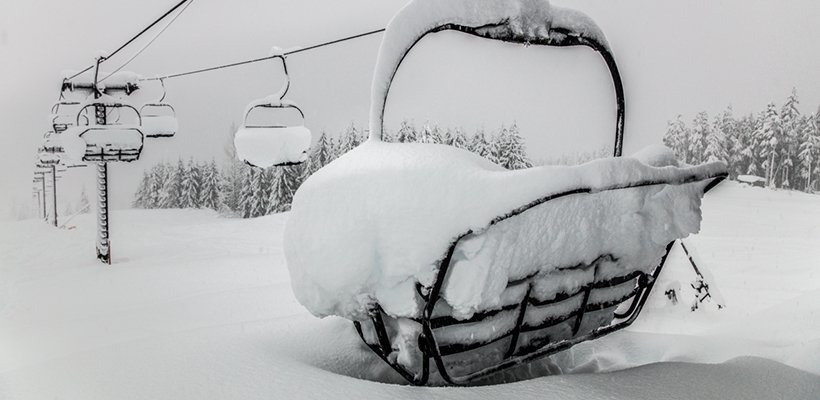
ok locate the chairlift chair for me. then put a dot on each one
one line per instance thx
(159, 118)
(263, 145)
(537, 314)
(113, 142)
(52, 143)
(62, 116)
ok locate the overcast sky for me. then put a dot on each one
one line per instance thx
(675, 57)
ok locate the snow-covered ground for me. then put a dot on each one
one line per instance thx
(200, 307)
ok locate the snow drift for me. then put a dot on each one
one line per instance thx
(372, 224)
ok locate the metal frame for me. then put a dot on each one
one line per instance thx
(99, 153)
(282, 104)
(502, 31)
(428, 346)
(159, 104)
(515, 356)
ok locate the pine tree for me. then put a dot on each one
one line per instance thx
(283, 187)
(789, 145)
(809, 151)
(677, 139)
(320, 156)
(210, 192)
(158, 177)
(716, 141)
(191, 185)
(246, 204)
(407, 133)
(459, 140)
(142, 196)
(701, 129)
(447, 137)
(84, 207)
(479, 144)
(172, 189)
(499, 148)
(349, 140)
(429, 134)
(769, 136)
(516, 151)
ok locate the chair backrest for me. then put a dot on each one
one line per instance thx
(525, 22)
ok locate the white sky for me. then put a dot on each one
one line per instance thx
(675, 57)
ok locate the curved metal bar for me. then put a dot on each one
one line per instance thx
(118, 105)
(158, 105)
(497, 30)
(279, 106)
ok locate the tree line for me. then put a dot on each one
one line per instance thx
(239, 190)
(778, 144)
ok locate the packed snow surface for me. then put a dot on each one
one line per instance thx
(373, 223)
(522, 21)
(199, 307)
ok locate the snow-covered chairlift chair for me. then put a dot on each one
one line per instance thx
(273, 144)
(453, 268)
(159, 118)
(113, 142)
(64, 116)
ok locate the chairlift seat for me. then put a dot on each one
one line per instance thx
(159, 120)
(488, 283)
(272, 145)
(112, 143)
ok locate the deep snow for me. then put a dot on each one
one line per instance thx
(200, 307)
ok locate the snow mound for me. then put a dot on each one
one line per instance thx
(375, 222)
(265, 147)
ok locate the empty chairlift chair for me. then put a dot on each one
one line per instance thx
(272, 143)
(64, 116)
(159, 118)
(515, 265)
(116, 141)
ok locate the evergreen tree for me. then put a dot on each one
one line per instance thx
(172, 189)
(479, 144)
(745, 146)
(84, 206)
(285, 183)
(210, 191)
(447, 137)
(769, 137)
(349, 140)
(320, 156)
(677, 138)
(697, 143)
(716, 140)
(516, 157)
(789, 145)
(430, 134)
(157, 181)
(407, 133)
(142, 196)
(459, 140)
(191, 185)
(809, 151)
(499, 147)
(246, 206)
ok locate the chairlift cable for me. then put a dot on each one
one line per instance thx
(255, 60)
(150, 42)
(158, 20)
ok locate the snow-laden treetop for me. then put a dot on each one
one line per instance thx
(520, 21)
